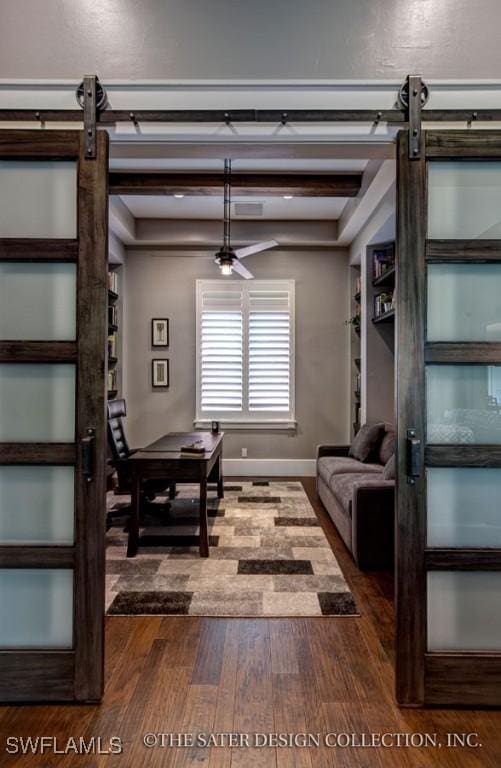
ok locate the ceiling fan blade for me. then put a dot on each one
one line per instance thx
(241, 253)
(242, 271)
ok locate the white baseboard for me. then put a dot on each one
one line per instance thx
(269, 467)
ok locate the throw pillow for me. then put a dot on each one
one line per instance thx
(365, 441)
(387, 447)
(389, 469)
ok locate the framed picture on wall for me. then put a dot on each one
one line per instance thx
(159, 332)
(160, 374)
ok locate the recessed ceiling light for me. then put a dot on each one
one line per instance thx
(288, 197)
(179, 195)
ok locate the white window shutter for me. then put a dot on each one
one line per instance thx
(269, 351)
(221, 351)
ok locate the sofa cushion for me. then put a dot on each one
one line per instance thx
(365, 441)
(344, 486)
(387, 445)
(389, 468)
(341, 465)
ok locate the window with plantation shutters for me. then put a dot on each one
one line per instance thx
(245, 345)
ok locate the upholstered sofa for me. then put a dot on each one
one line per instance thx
(359, 500)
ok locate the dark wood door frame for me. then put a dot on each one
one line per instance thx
(75, 674)
(423, 677)
(409, 387)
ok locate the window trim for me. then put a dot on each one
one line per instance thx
(287, 421)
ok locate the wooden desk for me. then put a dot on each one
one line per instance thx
(163, 459)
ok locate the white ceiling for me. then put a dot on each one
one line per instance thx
(211, 207)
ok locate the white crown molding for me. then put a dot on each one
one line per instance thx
(251, 83)
(248, 94)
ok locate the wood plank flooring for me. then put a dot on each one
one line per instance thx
(194, 675)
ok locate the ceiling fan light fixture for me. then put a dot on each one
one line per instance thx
(227, 259)
(224, 259)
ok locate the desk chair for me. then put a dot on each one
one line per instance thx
(120, 452)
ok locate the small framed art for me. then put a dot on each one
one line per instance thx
(160, 374)
(160, 332)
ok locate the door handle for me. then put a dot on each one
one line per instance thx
(413, 457)
(88, 455)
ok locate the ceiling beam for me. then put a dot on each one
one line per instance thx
(297, 184)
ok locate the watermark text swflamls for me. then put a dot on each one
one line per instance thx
(42, 745)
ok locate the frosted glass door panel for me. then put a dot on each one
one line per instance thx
(36, 505)
(38, 199)
(463, 404)
(37, 302)
(36, 608)
(463, 507)
(464, 611)
(37, 403)
(464, 199)
(464, 302)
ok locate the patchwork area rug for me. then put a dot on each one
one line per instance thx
(269, 557)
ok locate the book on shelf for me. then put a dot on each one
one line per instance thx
(112, 314)
(383, 259)
(112, 345)
(113, 281)
(383, 302)
(112, 380)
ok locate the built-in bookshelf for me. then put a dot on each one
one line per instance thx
(383, 280)
(113, 332)
(378, 313)
(356, 322)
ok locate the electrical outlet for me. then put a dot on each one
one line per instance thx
(244, 453)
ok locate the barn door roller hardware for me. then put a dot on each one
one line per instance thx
(92, 98)
(407, 113)
(413, 96)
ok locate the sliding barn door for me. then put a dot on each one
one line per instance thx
(449, 420)
(53, 262)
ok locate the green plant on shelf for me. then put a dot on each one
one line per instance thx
(354, 322)
(386, 301)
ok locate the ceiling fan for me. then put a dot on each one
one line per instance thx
(227, 258)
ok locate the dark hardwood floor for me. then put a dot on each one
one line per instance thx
(195, 675)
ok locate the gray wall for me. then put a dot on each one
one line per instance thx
(163, 285)
(138, 39)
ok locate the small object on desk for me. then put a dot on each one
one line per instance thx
(195, 449)
(215, 427)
